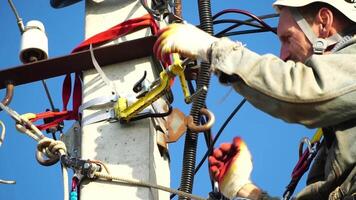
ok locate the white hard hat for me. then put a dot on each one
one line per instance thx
(347, 7)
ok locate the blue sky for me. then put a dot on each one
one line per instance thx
(272, 142)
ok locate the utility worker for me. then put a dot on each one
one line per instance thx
(312, 83)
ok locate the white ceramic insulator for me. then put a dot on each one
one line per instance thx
(34, 42)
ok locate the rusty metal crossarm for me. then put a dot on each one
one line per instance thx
(77, 62)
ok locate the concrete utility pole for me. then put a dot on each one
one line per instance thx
(129, 150)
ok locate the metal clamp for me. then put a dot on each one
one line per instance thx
(85, 167)
(125, 112)
(201, 128)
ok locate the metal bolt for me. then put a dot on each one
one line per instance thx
(76, 129)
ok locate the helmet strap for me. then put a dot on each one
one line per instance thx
(319, 44)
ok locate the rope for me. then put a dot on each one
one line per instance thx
(48, 147)
(3, 130)
(110, 178)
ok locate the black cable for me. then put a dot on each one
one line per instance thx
(48, 95)
(245, 32)
(227, 121)
(252, 16)
(153, 115)
(189, 169)
(246, 21)
(191, 139)
(237, 22)
(18, 18)
(210, 149)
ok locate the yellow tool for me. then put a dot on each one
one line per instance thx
(125, 112)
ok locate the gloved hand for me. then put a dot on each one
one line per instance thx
(231, 166)
(184, 39)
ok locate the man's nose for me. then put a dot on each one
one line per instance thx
(284, 54)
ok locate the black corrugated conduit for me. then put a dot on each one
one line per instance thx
(191, 139)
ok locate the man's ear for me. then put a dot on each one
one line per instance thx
(324, 20)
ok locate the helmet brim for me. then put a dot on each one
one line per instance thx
(348, 9)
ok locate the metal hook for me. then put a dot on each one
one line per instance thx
(9, 94)
(201, 128)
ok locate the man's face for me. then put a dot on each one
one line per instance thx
(294, 44)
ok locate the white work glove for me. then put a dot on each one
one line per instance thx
(231, 166)
(184, 39)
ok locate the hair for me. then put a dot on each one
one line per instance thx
(310, 11)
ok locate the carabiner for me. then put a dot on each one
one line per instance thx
(303, 141)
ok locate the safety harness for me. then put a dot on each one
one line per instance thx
(112, 33)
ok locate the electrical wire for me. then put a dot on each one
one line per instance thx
(211, 147)
(237, 22)
(32, 59)
(18, 18)
(48, 95)
(268, 16)
(245, 32)
(191, 139)
(243, 12)
(253, 17)
(153, 115)
(227, 121)
(263, 28)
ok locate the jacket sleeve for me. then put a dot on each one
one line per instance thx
(320, 93)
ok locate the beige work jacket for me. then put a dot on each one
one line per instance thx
(318, 93)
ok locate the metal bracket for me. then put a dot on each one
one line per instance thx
(176, 125)
(73, 140)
